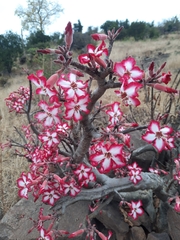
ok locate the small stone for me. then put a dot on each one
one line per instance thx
(158, 236)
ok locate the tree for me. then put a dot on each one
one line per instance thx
(56, 37)
(78, 27)
(109, 25)
(11, 46)
(36, 38)
(138, 30)
(72, 157)
(91, 30)
(38, 14)
(170, 25)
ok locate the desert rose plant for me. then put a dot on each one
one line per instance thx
(71, 157)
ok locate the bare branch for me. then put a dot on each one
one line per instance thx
(149, 181)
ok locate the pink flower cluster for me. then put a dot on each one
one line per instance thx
(130, 76)
(43, 180)
(17, 101)
(65, 113)
(135, 173)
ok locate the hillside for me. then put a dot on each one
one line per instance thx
(164, 49)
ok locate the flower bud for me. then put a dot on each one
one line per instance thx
(165, 78)
(162, 88)
(117, 32)
(76, 72)
(99, 36)
(52, 80)
(49, 51)
(61, 58)
(69, 54)
(151, 69)
(76, 233)
(161, 68)
(68, 35)
(100, 62)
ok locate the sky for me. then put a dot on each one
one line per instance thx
(93, 13)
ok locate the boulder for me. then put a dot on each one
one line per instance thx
(138, 233)
(158, 236)
(5, 231)
(112, 218)
(173, 224)
(17, 221)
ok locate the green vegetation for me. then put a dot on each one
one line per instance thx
(141, 30)
(13, 47)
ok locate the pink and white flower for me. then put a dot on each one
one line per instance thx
(44, 235)
(50, 196)
(136, 209)
(75, 107)
(91, 178)
(62, 128)
(41, 83)
(23, 184)
(135, 176)
(115, 114)
(135, 173)
(49, 138)
(72, 86)
(127, 69)
(71, 188)
(82, 172)
(49, 114)
(135, 167)
(108, 157)
(158, 136)
(129, 93)
(94, 54)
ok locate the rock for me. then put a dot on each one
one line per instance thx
(161, 224)
(112, 218)
(5, 231)
(143, 220)
(138, 233)
(16, 222)
(158, 236)
(144, 159)
(121, 236)
(173, 219)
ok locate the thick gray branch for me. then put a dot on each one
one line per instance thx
(149, 181)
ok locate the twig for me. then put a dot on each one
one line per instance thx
(29, 109)
(100, 207)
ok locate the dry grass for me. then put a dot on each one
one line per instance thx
(160, 50)
(163, 49)
(10, 165)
